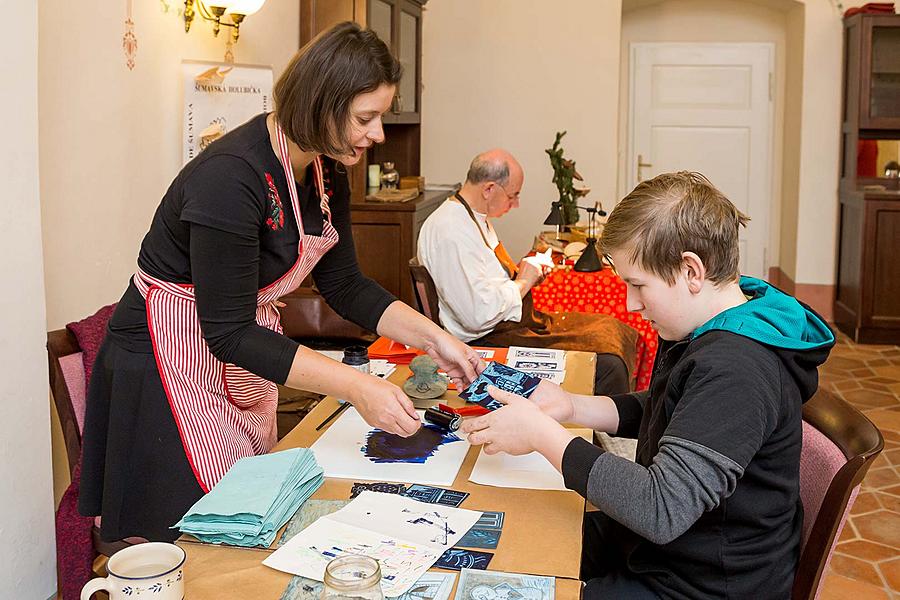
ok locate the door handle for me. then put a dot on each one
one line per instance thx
(641, 164)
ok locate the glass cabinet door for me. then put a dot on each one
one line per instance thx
(879, 81)
(380, 20)
(408, 54)
(884, 90)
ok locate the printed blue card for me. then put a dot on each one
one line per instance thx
(457, 558)
(505, 378)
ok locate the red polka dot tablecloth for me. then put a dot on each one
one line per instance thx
(602, 292)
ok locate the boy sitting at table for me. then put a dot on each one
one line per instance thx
(711, 507)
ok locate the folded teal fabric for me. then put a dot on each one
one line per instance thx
(254, 499)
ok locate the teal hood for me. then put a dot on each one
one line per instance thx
(794, 332)
(773, 318)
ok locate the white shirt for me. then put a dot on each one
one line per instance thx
(475, 293)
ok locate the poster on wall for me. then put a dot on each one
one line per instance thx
(219, 97)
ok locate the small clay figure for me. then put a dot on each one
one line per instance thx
(425, 382)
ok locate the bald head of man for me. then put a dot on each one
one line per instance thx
(493, 183)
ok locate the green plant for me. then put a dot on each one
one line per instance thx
(564, 174)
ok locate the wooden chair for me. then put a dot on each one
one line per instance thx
(839, 445)
(426, 293)
(67, 382)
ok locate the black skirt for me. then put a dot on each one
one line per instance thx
(135, 472)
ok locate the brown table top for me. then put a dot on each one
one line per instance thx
(541, 530)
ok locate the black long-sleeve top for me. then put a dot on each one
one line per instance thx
(227, 226)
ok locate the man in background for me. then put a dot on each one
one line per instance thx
(485, 296)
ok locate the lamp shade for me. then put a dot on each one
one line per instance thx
(555, 217)
(243, 7)
(589, 261)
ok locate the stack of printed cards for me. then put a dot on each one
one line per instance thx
(544, 363)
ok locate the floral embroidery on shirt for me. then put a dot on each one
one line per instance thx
(276, 210)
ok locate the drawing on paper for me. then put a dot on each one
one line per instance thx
(434, 520)
(495, 585)
(384, 447)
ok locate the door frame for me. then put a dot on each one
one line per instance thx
(628, 175)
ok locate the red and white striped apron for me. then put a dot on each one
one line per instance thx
(223, 412)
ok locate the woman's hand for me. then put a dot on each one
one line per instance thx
(459, 361)
(384, 405)
(516, 428)
(554, 401)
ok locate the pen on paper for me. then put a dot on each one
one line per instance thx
(336, 412)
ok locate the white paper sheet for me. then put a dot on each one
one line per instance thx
(544, 354)
(530, 365)
(308, 553)
(556, 377)
(529, 471)
(405, 536)
(339, 453)
(401, 517)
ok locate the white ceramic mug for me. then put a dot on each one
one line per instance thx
(152, 570)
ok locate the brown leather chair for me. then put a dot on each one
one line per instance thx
(307, 318)
(426, 293)
(839, 446)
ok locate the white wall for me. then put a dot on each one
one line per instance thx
(110, 138)
(820, 143)
(512, 73)
(27, 552)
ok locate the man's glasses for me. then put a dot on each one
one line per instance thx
(508, 195)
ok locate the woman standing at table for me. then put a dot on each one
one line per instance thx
(183, 384)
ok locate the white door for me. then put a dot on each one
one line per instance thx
(707, 108)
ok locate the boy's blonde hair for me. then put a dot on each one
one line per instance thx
(674, 213)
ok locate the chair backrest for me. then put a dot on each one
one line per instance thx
(839, 445)
(67, 382)
(426, 293)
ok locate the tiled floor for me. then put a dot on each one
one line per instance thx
(866, 563)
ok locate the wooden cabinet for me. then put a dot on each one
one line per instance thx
(386, 234)
(867, 302)
(399, 24)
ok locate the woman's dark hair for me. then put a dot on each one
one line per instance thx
(313, 95)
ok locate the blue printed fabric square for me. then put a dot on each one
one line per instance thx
(505, 378)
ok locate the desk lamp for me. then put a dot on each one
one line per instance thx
(589, 261)
(555, 217)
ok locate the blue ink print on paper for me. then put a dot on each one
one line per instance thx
(435, 495)
(490, 520)
(480, 538)
(383, 447)
(456, 559)
(503, 377)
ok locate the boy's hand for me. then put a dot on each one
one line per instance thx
(554, 401)
(516, 428)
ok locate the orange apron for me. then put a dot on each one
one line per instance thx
(223, 412)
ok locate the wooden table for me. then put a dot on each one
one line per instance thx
(541, 531)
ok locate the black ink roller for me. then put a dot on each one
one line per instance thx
(444, 419)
